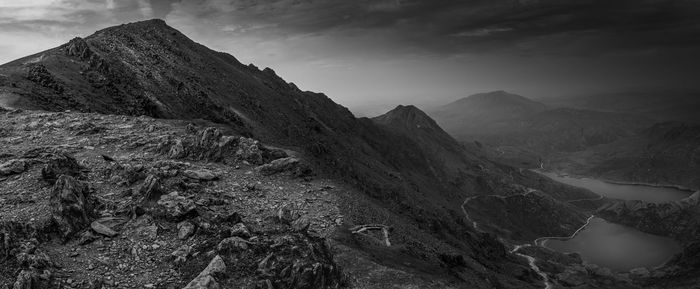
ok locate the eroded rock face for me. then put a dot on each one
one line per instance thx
(72, 205)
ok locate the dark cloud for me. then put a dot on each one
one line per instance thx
(444, 26)
(367, 50)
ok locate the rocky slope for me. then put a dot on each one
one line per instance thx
(97, 201)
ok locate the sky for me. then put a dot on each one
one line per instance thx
(371, 55)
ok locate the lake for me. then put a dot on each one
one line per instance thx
(614, 246)
(617, 247)
(624, 192)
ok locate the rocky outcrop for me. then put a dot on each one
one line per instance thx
(210, 144)
(39, 74)
(77, 47)
(72, 205)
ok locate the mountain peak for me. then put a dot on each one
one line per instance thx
(139, 27)
(410, 120)
(497, 97)
(407, 115)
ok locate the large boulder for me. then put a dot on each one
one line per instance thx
(72, 205)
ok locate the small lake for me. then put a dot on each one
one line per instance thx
(623, 192)
(617, 247)
(614, 246)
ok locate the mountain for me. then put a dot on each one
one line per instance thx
(215, 171)
(480, 112)
(150, 69)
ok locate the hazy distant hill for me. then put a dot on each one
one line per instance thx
(524, 131)
(481, 112)
(660, 105)
(665, 153)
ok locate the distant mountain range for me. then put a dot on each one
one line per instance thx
(657, 104)
(664, 154)
(525, 131)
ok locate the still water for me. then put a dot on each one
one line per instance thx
(614, 246)
(624, 192)
(617, 247)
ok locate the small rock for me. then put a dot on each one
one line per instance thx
(177, 207)
(301, 224)
(240, 230)
(201, 174)
(278, 166)
(288, 213)
(102, 229)
(185, 230)
(232, 244)
(87, 237)
(181, 253)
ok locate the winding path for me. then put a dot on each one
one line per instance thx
(530, 260)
